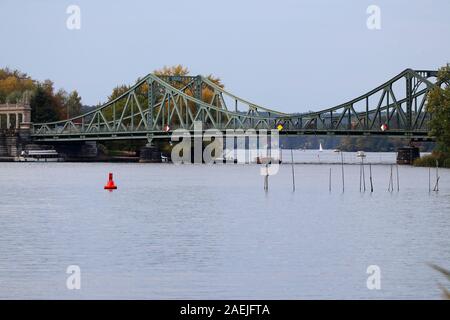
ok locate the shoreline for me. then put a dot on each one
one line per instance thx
(137, 160)
(87, 160)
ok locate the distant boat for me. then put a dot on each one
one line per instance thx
(39, 156)
(336, 150)
(320, 147)
(360, 154)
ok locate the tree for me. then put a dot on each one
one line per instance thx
(16, 87)
(177, 70)
(73, 104)
(42, 106)
(13, 84)
(14, 97)
(60, 102)
(438, 105)
(118, 91)
(47, 85)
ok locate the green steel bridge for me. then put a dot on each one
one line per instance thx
(157, 105)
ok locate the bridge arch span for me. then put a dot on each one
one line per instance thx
(157, 105)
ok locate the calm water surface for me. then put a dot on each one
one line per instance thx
(204, 232)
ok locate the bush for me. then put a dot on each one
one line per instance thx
(430, 160)
(426, 161)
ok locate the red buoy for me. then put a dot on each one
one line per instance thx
(110, 184)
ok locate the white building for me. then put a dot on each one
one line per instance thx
(15, 116)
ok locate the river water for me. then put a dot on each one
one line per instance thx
(211, 232)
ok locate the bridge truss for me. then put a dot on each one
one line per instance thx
(157, 105)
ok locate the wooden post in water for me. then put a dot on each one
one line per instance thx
(329, 181)
(342, 171)
(293, 173)
(360, 176)
(362, 182)
(429, 179)
(391, 181)
(436, 186)
(371, 182)
(398, 179)
(266, 178)
(363, 174)
(389, 186)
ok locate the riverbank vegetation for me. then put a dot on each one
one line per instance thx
(438, 105)
(435, 158)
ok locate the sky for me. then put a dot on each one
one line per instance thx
(292, 56)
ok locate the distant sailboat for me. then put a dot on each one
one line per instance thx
(320, 147)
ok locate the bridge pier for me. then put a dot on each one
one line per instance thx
(150, 154)
(12, 142)
(407, 155)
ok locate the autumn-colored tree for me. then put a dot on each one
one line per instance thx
(69, 105)
(13, 84)
(59, 100)
(177, 70)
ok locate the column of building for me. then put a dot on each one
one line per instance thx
(21, 114)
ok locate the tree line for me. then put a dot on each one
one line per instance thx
(46, 104)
